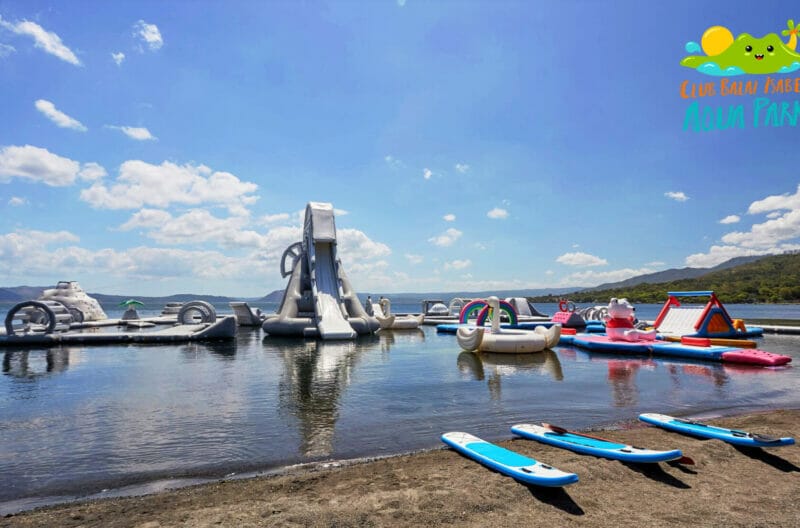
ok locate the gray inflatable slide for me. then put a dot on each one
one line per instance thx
(319, 300)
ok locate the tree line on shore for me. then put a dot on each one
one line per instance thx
(774, 279)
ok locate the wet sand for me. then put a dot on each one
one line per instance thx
(727, 486)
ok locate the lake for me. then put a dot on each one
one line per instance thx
(80, 420)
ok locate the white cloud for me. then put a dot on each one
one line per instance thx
(730, 219)
(449, 217)
(17, 201)
(447, 238)
(497, 213)
(354, 245)
(393, 162)
(427, 173)
(401, 3)
(656, 264)
(37, 164)
(593, 278)
(457, 264)
(148, 34)
(581, 259)
(6, 50)
(414, 259)
(274, 219)
(92, 171)
(118, 57)
(719, 254)
(56, 116)
(141, 184)
(677, 196)
(779, 233)
(146, 218)
(462, 167)
(137, 133)
(45, 40)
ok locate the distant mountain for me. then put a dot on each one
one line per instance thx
(673, 274)
(769, 279)
(24, 293)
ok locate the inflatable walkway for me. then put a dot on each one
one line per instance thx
(319, 300)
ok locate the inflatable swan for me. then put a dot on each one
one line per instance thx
(619, 323)
(505, 340)
(383, 313)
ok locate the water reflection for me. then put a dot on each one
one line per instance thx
(623, 373)
(315, 376)
(219, 349)
(389, 338)
(480, 365)
(32, 364)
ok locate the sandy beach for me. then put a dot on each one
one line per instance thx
(727, 486)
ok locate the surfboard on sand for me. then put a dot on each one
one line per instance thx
(507, 462)
(589, 445)
(732, 436)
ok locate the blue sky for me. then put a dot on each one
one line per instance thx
(166, 147)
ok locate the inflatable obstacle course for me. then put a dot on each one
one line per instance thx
(712, 320)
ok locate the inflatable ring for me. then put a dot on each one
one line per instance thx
(566, 306)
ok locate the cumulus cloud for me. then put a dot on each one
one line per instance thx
(449, 217)
(462, 167)
(142, 184)
(17, 201)
(447, 238)
(780, 232)
(457, 264)
(497, 213)
(414, 259)
(677, 196)
(118, 57)
(61, 119)
(6, 50)
(427, 173)
(137, 133)
(581, 259)
(92, 172)
(37, 164)
(43, 39)
(730, 219)
(274, 219)
(593, 278)
(148, 34)
(719, 254)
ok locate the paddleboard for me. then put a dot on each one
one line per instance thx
(508, 462)
(732, 436)
(588, 445)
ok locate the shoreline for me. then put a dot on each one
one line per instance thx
(438, 487)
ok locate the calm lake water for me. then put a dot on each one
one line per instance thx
(78, 420)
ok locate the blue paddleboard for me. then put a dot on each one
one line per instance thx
(588, 445)
(732, 436)
(508, 462)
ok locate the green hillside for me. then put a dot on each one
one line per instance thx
(774, 279)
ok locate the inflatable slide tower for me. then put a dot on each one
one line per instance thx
(319, 300)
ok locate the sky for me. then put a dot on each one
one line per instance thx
(160, 147)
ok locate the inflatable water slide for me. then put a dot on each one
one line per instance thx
(319, 300)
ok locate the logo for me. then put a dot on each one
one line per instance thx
(767, 60)
(746, 54)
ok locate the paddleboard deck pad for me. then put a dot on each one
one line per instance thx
(507, 462)
(732, 436)
(603, 343)
(593, 446)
